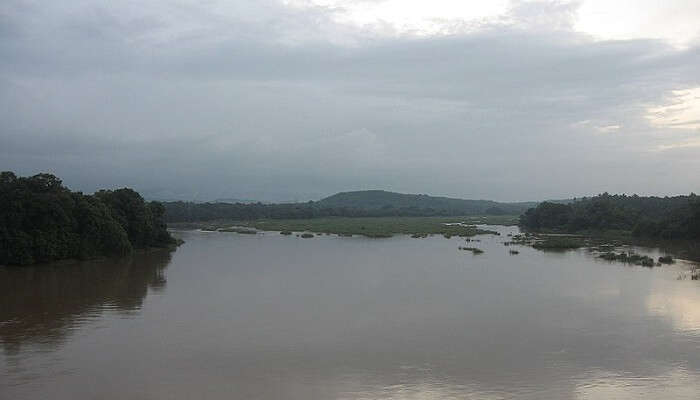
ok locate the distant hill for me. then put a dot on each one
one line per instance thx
(367, 203)
(383, 200)
(234, 201)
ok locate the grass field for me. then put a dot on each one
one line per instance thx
(370, 227)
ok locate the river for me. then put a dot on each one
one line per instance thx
(267, 316)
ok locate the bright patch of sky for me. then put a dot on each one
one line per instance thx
(408, 16)
(682, 111)
(675, 21)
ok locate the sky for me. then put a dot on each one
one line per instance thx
(294, 100)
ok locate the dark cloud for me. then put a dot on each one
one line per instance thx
(259, 100)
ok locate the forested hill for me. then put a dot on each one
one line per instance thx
(675, 217)
(371, 203)
(380, 199)
(41, 220)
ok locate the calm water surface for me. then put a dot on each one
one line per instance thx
(274, 317)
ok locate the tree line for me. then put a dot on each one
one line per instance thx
(41, 220)
(675, 217)
(363, 203)
(381, 199)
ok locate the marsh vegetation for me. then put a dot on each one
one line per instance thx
(244, 231)
(372, 227)
(558, 243)
(474, 250)
(666, 260)
(628, 258)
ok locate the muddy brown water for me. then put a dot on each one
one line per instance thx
(231, 316)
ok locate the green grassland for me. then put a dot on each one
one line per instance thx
(370, 226)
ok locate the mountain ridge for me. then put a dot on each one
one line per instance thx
(382, 199)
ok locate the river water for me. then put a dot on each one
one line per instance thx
(230, 316)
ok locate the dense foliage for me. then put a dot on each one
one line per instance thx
(369, 203)
(41, 220)
(657, 217)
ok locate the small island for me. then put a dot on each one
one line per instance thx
(43, 221)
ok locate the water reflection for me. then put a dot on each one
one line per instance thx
(603, 385)
(681, 308)
(42, 304)
(685, 249)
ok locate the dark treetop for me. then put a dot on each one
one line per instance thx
(675, 217)
(41, 221)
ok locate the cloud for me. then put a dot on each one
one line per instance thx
(682, 110)
(258, 99)
(609, 128)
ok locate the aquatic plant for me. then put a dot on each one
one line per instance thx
(628, 258)
(558, 242)
(666, 260)
(244, 231)
(378, 235)
(474, 250)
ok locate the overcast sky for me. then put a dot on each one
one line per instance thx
(298, 99)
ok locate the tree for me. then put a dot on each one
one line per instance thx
(41, 221)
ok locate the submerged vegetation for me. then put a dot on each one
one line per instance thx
(474, 250)
(41, 221)
(666, 260)
(244, 231)
(557, 243)
(546, 242)
(628, 258)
